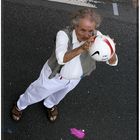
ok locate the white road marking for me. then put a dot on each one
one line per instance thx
(95, 1)
(76, 2)
(115, 9)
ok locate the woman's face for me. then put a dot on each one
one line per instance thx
(84, 30)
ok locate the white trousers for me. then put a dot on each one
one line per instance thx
(52, 91)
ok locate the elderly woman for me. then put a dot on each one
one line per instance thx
(68, 64)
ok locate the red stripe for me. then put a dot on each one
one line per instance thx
(108, 43)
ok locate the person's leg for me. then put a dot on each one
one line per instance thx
(55, 98)
(27, 98)
(37, 90)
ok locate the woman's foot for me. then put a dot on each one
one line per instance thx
(52, 113)
(16, 113)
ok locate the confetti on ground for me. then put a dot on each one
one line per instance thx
(77, 133)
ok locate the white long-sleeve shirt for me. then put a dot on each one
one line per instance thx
(71, 69)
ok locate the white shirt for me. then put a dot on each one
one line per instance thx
(72, 69)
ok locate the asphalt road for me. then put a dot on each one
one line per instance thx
(104, 104)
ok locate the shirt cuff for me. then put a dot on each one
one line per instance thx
(60, 58)
(115, 64)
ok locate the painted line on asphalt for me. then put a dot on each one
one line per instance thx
(115, 9)
(76, 2)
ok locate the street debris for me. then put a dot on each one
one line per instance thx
(80, 134)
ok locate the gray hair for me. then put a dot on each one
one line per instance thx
(85, 13)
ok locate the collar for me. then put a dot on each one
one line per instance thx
(74, 37)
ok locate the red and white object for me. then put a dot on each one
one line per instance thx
(102, 49)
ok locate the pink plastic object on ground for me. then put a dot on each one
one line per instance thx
(77, 133)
